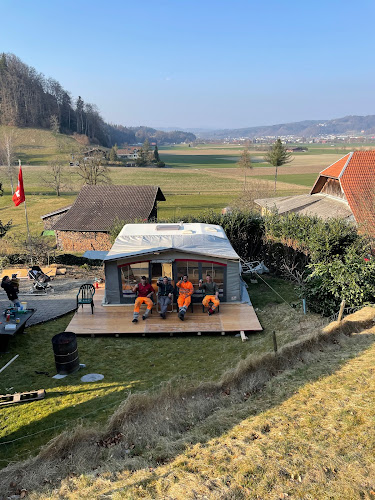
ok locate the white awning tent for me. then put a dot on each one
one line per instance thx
(190, 241)
(203, 239)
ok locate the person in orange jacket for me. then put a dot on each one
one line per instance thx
(186, 290)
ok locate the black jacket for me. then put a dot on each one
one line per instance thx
(9, 290)
(165, 289)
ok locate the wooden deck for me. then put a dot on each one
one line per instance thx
(117, 320)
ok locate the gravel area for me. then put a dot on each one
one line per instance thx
(57, 300)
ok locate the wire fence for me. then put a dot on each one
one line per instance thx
(11, 446)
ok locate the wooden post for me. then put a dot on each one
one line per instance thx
(274, 341)
(341, 312)
(243, 336)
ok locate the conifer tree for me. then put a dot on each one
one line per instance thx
(277, 156)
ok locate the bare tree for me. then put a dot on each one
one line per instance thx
(7, 150)
(245, 163)
(55, 177)
(93, 170)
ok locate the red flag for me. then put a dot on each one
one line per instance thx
(19, 195)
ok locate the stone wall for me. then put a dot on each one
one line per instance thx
(72, 241)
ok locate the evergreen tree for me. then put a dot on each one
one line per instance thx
(156, 154)
(277, 156)
(113, 154)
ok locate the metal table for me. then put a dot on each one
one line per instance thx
(5, 335)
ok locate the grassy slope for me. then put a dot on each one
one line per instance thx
(39, 146)
(307, 435)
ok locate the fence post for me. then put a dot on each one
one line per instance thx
(274, 341)
(341, 312)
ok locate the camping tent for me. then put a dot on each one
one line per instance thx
(172, 250)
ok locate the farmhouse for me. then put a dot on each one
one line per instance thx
(345, 189)
(86, 225)
(172, 250)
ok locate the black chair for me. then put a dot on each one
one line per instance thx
(85, 295)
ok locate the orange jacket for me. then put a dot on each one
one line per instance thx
(185, 288)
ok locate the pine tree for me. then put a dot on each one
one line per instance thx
(277, 156)
(156, 154)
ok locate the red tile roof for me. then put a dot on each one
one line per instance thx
(336, 168)
(356, 174)
(358, 184)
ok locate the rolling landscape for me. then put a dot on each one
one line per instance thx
(271, 101)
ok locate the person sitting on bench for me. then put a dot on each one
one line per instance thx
(211, 294)
(186, 290)
(145, 292)
(165, 294)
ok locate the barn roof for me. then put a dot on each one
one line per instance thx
(356, 174)
(320, 205)
(97, 207)
(140, 239)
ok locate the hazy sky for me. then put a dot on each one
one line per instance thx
(207, 63)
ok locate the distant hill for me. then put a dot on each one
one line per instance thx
(28, 99)
(353, 125)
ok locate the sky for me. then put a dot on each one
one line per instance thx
(201, 64)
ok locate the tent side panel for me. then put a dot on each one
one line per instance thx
(233, 281)
(112, 283)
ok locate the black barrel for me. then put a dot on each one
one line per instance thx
(66, 352)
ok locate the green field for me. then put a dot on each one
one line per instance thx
(307, 180)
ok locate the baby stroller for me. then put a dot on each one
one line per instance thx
(40, 280)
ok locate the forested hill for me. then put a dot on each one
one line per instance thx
(29, 99)
(309, 128)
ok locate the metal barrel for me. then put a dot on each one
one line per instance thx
(66, 352)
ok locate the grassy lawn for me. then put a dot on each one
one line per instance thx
(129, 364)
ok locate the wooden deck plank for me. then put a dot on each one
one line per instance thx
(114, 320)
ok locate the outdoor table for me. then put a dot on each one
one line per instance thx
(5, 335)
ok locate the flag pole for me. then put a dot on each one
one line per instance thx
(27, 223)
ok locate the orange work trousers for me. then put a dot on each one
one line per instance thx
(211, 298)
(183, 301)
(142, 300)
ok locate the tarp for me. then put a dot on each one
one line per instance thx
(203, 239)
(95, 254)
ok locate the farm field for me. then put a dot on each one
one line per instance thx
(197, 178)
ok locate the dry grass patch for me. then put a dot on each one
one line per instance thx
(295, 424)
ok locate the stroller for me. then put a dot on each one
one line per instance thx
(40, 280)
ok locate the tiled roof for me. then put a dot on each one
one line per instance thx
(97, 207)
(358, 184)
(356, 174)
(58, 211)
(336, 168)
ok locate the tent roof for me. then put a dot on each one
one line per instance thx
(141, 239)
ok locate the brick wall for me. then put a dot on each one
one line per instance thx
(73, 241)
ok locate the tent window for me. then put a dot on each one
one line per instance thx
(131, 275)
(216, 272)
(191, 268)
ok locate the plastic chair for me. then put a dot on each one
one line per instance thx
(85, 295)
